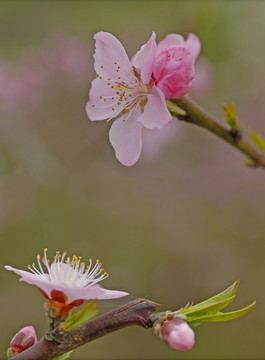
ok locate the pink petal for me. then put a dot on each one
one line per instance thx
(94, 292)
(175, 86)
(110, 57)
(170, 41)
(194, 45)
(144, 59)
(176, 76)
(41, 281)
(102, 109)
(126, 138)
(160, 64)
(156, 114)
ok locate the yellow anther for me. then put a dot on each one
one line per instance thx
(102, 66)
(100, 97)
(45, 249)
(38, 256)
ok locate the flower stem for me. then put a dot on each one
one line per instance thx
(138, 312)
(195, 114)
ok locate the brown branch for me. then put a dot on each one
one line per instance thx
(197, 115)
(138, 312)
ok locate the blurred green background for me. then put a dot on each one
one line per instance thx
(183, 223)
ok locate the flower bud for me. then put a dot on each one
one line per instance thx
(178, 334)
(24, 339)
(174, 64)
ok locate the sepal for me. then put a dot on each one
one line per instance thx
(87, 312)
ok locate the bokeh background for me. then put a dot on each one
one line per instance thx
(183, 223)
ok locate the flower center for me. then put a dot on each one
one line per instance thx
(69, 272)
(128, 94)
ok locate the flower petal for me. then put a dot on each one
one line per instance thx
(170, 41)
(156, 114)
(144, 59)
(176, 76)
(102, 100)
(110, 57)
(194, 45)
(126, 138)
(42, 281)
(94, 292)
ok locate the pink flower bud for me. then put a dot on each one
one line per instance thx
(174, 64)
(24, 339)
(178, 335)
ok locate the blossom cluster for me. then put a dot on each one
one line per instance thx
(134, 92)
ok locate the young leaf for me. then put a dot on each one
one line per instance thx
(230, 116)
(223, 316)
(64, 356)
(206, 309)
(257, 138)
(224, 295)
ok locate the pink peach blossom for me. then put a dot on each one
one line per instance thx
(174, 64)
(127, 94)
(178, 334)
(24, 339)
(67, 283)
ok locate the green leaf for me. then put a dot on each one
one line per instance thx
(230, 116)
(207, 309)
(257, 138)
(250, 162)
(86, 313)
(64, 356)
(222, 316)
(222, 296)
